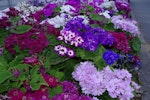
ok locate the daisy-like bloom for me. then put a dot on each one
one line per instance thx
(15, 94)
(62, 51)
(51, 80)
(70, 53)
(79, 40)
(57, 48)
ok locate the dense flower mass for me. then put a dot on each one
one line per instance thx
(34, 42)
(69, 50)
(116, 82)
(125, 24)
(121, 42)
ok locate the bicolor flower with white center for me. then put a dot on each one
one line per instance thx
(62, 51)
(57, 48)
(70, 53)
(79, 40)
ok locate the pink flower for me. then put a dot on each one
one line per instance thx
(51, 81)
(15, 94)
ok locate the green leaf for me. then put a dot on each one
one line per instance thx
(4, 75)
(96, 56)
(37, 81)
(109, 27)
(17, 60)
(136, 44)
(53, 40)
(54, 58)
(90, 8)
(4, 87)
(58, 74)
(3, 63)
(55, 91)
(3, 34)
(57, 9)
(15, 19)
(21, 29)
(96, 17)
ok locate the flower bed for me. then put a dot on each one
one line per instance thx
(69, 50)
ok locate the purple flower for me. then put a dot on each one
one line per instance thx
(70, 53)
(49, 9)
(16, 73)
(84, 97)
(69, 87)
(65, 96)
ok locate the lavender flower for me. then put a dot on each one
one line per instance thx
(117, 83)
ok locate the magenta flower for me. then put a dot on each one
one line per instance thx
(15, 94)
(48, 10)
(16, 73)
(30, 60)
(51, 81)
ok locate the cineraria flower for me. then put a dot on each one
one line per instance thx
(84, 97)
(27, 41)
(69, 87)
(65, 96)
(70, 53)
(51, 81)
(49, 9)
(71, 37)
(117, 83)
(15, 94)
(121, 42)
(110, 57)
(30, 60)
(125, 24)
(63, 51)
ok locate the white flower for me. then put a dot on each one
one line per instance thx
(67, 9)
(105, 14)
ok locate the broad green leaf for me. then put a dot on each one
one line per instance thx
(90, 8)
(21, 29)
(37, 81)
(4, 75)
(109, 27)
(136, 44)
(58, 74)
(55, 91)
(4, 87)
(15, 19)
(96, 17)
(18, 59)
(3, 63)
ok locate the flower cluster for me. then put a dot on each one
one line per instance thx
(70, 37)
(125, 24)
(110, 57)
(70, 91)
(62, 51)
(117, 82)
(31, 41)
(121, 42)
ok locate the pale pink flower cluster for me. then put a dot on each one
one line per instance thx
(126, 24)
(117, 82)
(71, 37)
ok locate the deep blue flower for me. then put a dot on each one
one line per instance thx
(110, 57)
